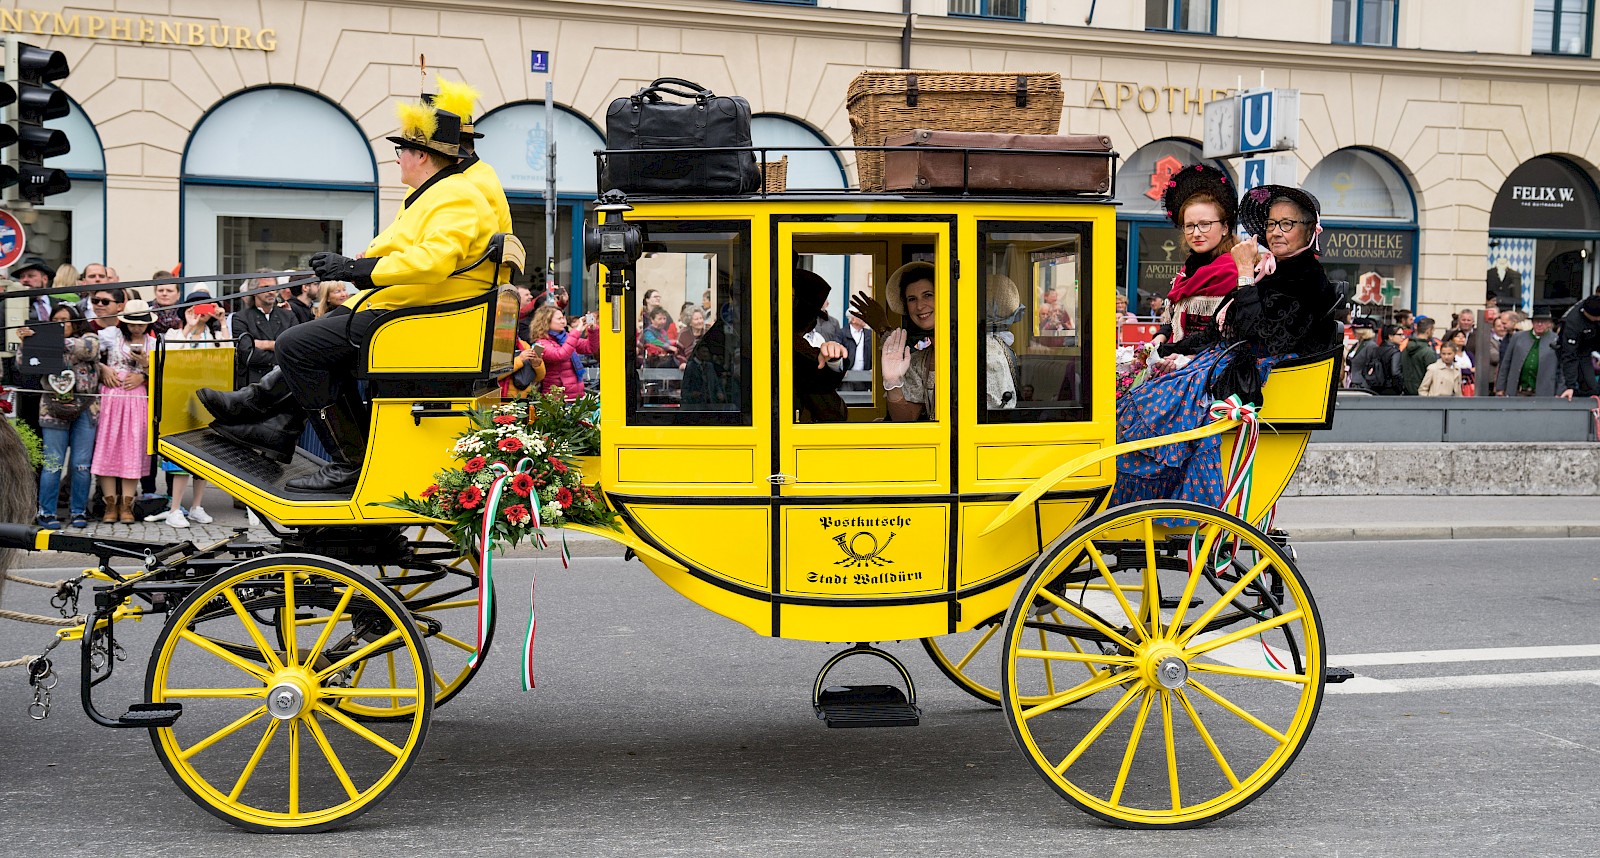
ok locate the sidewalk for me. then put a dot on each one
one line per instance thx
(1341, 518)
(1333, 518)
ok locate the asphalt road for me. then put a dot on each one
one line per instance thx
(660, 729)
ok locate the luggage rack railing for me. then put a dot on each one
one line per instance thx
(762, 159)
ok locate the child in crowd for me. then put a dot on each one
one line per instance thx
(1443, 377)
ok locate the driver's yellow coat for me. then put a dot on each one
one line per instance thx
(487, 181)
(441, 227)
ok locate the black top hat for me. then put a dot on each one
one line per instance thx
(444, 137)
(1257, 203)
(33, 262)
(1199, 178)
(466, 120)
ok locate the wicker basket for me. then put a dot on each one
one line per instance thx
(775, 175)
(884, 102)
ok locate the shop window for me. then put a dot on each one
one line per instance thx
(514, 144)
(1562, 26)
(1034, 351)
(1369, 229)
(1543, 233)
(1366, 22)
(807, 171)
(1183, 16)
(1012, 9)
(674, 377)
(1146, 240)
(251, 202)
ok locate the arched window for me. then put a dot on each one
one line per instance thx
(1369, 230)
(72, 226)
(514, 144)
(1544, 231)
(271, 176)
(1149, 250)
(807, 171)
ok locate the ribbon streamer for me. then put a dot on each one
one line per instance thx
(1240, 473)
(491, 508)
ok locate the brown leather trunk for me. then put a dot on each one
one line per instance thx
(1059, 163)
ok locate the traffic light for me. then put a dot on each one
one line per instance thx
(27, 100)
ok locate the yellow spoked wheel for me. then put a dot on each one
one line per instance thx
(1197, 708)
(441, 591)
(972, 659)
(264, 742)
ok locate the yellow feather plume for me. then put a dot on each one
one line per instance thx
(417, 120)
(458, 98)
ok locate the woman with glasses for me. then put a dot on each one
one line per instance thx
(67, 416)
(1200, 201)
(1282, 305)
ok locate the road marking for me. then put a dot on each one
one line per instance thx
(1368, 685)
(1442, 656)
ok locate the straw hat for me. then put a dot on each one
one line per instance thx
(137, 312)
(910, 272)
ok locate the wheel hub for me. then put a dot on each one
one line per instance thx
(1164, 665)
(286, 699)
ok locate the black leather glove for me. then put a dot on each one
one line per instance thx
(332, 266)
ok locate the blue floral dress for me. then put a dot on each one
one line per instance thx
(1175, 402)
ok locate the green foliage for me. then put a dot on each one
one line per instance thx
(534, 443)
(32, 443)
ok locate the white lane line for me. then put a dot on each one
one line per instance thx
(1368, 685)
(1442, 656)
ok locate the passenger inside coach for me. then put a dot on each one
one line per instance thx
(907, 359)
(819, 362)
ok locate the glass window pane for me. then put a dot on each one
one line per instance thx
(1156, 14)
(275, 243)
(1035, 347)
(1005, 8)
(1357, 184)
(243, 138)
(1194, 16)
(1377, 22)
(675, 377)
(1544, 31)
(513, 143)
(85, 153)
(1546, 5)
(1343, 12)
(1574, 27)
(812, 171)
(1160, 258)
(964, 7)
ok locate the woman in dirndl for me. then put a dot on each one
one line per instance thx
(1283, 306)
(121, 454)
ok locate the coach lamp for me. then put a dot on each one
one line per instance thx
(617, 245)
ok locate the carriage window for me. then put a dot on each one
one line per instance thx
(687, 364)
(1035, 350)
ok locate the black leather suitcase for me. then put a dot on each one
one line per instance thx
(646, 121)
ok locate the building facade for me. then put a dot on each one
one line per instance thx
(1452, 142)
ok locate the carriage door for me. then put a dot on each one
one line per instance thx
(866, 455)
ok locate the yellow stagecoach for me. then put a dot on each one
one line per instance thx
(1160, 664)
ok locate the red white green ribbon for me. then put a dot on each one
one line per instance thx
(1241, 466)
(491, 508)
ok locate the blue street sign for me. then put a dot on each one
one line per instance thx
(1254, 173)
(1255, 122)
(539, 62)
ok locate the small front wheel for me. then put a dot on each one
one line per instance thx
(1198, 701)
(264, 742)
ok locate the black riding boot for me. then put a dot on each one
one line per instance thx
(275, 437)
(343, 430)
(249, 403)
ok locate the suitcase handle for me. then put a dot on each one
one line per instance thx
(695, 90)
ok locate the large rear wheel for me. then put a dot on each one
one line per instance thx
(264, 741)
(1195, 709)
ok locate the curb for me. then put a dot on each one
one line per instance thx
(1558, 530)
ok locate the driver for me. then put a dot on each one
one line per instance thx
(443, 225)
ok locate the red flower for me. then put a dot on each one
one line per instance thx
(557, 465)
(563, 497)
(510, 445)
(504, 419)
(430, 491)
(475, 464)
(470, 497)
(522, 484)
(518, 514)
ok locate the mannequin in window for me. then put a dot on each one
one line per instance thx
(1505, 283)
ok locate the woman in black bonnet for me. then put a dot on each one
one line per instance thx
(1283, 306)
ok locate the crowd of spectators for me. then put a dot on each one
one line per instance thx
(93, 414)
